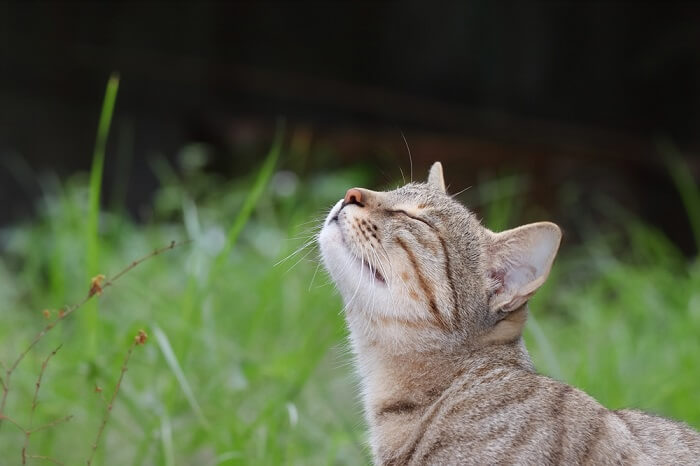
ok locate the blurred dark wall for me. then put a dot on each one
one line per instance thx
(565, 90)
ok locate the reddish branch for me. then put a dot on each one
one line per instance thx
(140, 339)
(35, 401)
(97, 285)
(45, 458)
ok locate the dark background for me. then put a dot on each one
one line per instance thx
(567, 92)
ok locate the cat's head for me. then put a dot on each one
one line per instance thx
(416, 268)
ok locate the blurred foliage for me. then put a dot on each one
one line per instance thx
(248, 362)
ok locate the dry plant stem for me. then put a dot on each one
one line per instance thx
(68, 310)
(28, 432)
(37, 429)
(45, 458)
(108, 410)
(35, 400)
(52, 423)
(12, 421)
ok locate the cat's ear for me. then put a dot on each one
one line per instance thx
(519, 261)
(435, 177)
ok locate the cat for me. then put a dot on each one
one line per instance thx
(436, 304)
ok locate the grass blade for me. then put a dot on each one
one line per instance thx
(253, 197)
(685, 184)
(166, 436)
(89, 317)
(171, 359)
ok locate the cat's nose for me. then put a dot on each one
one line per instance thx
(353, 196)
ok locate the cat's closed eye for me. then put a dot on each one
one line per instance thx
(411, 216)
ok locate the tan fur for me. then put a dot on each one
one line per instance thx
(436, 304)
(508, 329)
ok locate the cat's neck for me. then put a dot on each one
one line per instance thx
(417, 377)
(400, 386)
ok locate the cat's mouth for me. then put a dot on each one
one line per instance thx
(373, 271)
(366, 266)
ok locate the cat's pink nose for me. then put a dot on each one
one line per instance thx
(353, 196)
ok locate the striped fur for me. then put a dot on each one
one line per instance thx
(436, 304)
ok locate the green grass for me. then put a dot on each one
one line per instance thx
(89, 317)
(247, 362)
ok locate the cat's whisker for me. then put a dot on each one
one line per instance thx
(380, 266)
(311, 230)
(329, 281)
(348, 262)
(298, 261)
(460, 192)
(374, 289)
(316, 220)
(388, 276)
(410, 158)
(297, 251)
(359, 282)
(318, 265)
(307, 236)
(315, 224)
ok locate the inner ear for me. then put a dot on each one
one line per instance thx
(519, 263)
(436, 178)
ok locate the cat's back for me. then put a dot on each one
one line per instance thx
(664, 440)
(519, 417)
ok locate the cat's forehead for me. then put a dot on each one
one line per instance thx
(423, 195)
(413, 192)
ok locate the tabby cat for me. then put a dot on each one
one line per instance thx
(436, 305)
